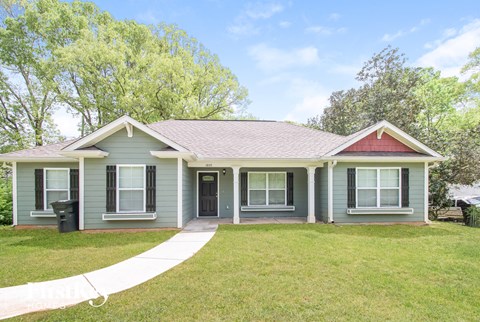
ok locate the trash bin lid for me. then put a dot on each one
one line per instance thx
(64, 202)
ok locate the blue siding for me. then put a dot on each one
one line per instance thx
(135, 150)
(26, 191)
(417, 193)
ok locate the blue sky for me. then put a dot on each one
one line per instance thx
(291, 55)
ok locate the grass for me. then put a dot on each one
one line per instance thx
(310, 273)
(44, 254)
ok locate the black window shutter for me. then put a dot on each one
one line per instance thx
(111, 205)
(405, 187)
(150, 202)
(39, 190)
(74, 184)
(244, 188)
(351, 186)
(289, 188)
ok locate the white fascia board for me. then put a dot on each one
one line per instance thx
(37, 159)
(187, 156)
(251, 163)
(383, 159)
(92, 154)
(393, 131)
(113, 127)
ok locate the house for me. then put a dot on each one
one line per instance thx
(131, 175)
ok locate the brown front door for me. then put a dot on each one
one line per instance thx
(207, 194)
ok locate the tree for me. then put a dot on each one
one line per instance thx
(441, 112)
(74, 55)
(387, 93)
(343, 114)
(26, 76)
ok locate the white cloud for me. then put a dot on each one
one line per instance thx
(320, 30)
(334, 16)
(245, 23)
(392, 37)
(312, 99)
(243, 28)
(345, 69)
(66, 123)
(447, 33)
(263, 10)
(285, 24)
(401, 33)
(324, 31)
(451, 53)
(273, 59)
(148, 17)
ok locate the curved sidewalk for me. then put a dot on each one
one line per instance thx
(32, 297)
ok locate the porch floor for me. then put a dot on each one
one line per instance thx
(201, 222)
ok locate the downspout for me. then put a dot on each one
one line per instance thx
(331, 165)
(14, 194)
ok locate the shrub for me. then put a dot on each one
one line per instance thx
(5, 202)
(472, 217)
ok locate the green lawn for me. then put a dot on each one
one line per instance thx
(44, 254)
(310, 272)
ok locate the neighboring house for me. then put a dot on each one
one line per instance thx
(131, 175)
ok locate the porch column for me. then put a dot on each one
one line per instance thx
(179, 193)
(236, 196)
(331, 165)
(311, 195)
(425, 194)
(81, 193)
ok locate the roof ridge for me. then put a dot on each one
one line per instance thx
(312, 129)
(212, 120)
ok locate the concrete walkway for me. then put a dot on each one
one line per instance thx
(32, 297)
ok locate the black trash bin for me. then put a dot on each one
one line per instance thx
(67, 215)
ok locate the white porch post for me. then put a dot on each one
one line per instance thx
(14, 193)
(331, 165)
(236, 195)
(311, 195)
(426, 191)
(179, 193)
(81, 193)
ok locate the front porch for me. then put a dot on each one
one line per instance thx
(203, 224)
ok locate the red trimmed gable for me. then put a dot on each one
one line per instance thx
(370, 143)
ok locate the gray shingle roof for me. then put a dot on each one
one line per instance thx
(248, 139)
(45, 151)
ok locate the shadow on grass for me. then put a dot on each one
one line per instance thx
(52, 239)
(373, 231)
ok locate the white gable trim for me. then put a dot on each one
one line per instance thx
(395, 132)
(109, 129)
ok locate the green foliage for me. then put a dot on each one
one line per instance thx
(279, 273)
(472, 217)
(5, 199)
(387, 92)
(72, 54)
(36, 255)
(441, 112)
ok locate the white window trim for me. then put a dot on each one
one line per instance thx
(267, 189)
(45, 190)
(378, 188)
(118, 189)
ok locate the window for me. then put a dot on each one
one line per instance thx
(378, 187)
(266, 188)
(57, 185)
(130, 188)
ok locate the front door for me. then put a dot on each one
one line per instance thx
(207, 194)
